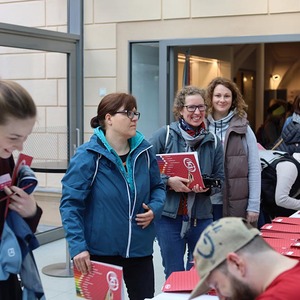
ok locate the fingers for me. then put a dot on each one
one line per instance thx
(179, 184)
(21, 202)
(145, 218)
(252, 217)
(82, 262)
(198, 189)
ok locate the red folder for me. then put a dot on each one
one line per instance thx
(280, 235)
(284, 247)
(183, 164)
(280, 227)
(287, 220)
(181, 281)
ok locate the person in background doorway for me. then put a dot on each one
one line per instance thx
(186, 212)
(233, 259)
(111, 194)
(227, 118)
(272, 126)
(19, 212)
(290, 135)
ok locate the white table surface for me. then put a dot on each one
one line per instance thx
(182, 296)
(296, 214)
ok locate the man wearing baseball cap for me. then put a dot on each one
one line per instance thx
(232, 258)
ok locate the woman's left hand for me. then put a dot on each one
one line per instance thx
(145, 218)
(198, 189)
(252, 216)
(21, 202)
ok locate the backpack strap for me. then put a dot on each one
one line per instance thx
(167, 136)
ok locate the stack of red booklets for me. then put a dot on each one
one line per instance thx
(183, 281)
(283, 234)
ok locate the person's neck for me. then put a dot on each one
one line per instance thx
(120, 145)
(218, 115)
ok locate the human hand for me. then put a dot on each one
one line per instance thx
(252, 216)
(21, 202)
(109, 295)
(197, 189)
(179, 184)
(145, 218)
(82, 262)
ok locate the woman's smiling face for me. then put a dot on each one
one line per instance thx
(196, 118)
(13, 134)
(221, 101)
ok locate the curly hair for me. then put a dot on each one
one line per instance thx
(179, 100)
(238, 102)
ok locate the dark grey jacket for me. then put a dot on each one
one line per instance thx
(291, 138)
(210, 155)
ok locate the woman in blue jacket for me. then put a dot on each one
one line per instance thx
(186, 212)
(111, 193)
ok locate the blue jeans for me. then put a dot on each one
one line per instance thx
(173, 247)
(217, 211)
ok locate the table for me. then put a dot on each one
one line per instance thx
(49, 166)
(182, 296)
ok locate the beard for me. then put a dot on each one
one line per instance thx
(241, 291)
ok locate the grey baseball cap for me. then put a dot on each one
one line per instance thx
(226, 235)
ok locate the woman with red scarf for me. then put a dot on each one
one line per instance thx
(186, 211)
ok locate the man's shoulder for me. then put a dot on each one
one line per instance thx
(284, 286)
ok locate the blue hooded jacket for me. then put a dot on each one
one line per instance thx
(100, 199)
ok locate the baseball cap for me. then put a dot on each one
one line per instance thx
(225, 235)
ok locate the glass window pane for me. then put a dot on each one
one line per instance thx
(144, 83)
(44, 75)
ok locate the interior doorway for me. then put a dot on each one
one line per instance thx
(277, 66)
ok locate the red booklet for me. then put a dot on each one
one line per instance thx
(6, 180)
(284, 247)
(23, 159)
(105, 282)
(184, 165)
(287, 220)
(281, 227)
(280, 235)
(183, 281)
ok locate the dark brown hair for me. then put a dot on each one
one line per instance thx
(15, 102)
(296, 104)
(110, 104)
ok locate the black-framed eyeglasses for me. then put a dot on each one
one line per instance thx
(192, 108)
(130, 114)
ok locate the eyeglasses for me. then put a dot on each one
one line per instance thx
(130, 114)
(192, 108)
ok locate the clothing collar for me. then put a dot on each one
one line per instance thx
(225, 120)
(192, 131)
(134, 142)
